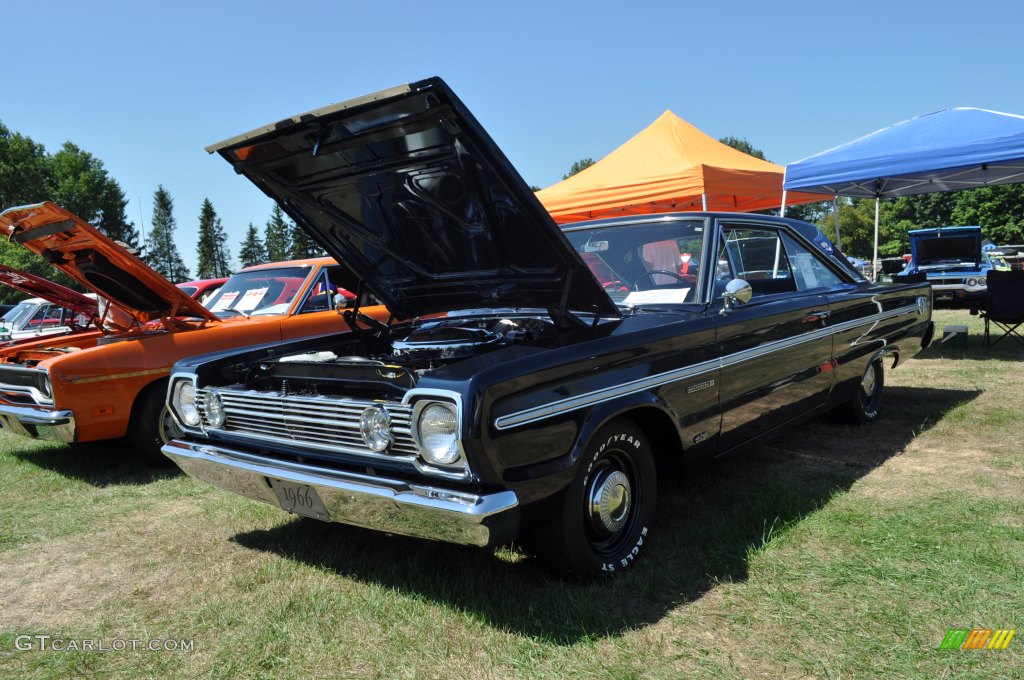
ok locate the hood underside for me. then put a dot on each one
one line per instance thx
(408, 190)
(95, 261)
(945, 246)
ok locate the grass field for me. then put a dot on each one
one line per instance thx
(831, 552)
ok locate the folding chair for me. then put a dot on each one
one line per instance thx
(1005, 304)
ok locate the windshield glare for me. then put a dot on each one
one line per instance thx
(260, 292)
(645, 263)
(15, 317)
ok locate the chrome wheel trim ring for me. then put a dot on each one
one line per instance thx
(610, 500)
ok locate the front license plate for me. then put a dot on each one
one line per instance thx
(301, 499)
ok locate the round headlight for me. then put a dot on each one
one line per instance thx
(185, 404)
(375, 426)
(972, 282)
(213, 409)
(437, 428)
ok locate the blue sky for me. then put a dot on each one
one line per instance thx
(145, 86)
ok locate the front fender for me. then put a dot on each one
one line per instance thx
(537, 481)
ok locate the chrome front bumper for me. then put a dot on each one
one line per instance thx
(38, 423)
(389, 505)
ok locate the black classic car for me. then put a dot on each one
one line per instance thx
(532, 378)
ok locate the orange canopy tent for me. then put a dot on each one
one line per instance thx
(670, 166)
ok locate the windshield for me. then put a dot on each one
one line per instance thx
(259, 292)
(16, 317)
(645, 262)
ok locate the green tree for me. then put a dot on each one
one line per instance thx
(998, 210)
(80, 184)
(25, 178)
(303, 245)
(277, 236)
(579, 166)
(214, 258)
(24, 170)
(113, 219)
(161, 251)
(743, 145)
(72, 178)
(252, 251)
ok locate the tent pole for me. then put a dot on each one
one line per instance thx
(704, 202)
(835, 219)
(782, 208)
(874, 259)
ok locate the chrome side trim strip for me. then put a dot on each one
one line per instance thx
(597, 396)
(532, 415)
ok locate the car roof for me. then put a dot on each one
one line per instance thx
(310, 261)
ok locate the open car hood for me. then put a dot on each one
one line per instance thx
(95, 261)
(39, 287)
(408, 191)
(947, 245)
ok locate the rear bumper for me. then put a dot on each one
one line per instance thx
(38, 423)
(393, 506)
(957, 293)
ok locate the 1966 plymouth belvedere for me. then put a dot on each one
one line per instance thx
(111, 383)
(544, 373)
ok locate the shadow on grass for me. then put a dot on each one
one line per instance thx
(101, 464)
(708, 525)
(1006, 350)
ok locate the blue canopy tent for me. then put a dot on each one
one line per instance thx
(959, 148)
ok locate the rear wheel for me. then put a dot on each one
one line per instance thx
(866, 404)
(152, 426)
(604, 518)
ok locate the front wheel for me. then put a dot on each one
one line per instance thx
(151, 427)
(866, 404)
(604, 519)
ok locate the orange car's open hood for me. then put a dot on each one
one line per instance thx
(97, 262)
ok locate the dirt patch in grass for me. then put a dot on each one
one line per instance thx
(143, 560)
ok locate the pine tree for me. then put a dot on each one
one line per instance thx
(303, 245)
(214, 258)
(277, 236)
(252, 251)
(161, 251)
(113, 220)
(223, 260)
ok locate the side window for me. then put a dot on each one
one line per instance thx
(809, 271)
(319, 298)
(758, 257)
(322, 295)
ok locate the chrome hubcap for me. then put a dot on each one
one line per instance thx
(610, 500)
(868, 382)
(168, 427)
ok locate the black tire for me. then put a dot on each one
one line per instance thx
(604, 518)
(866, 404)
(152, 426)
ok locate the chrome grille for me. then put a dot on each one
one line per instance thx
(322, 422)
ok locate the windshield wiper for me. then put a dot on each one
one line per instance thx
(235, 311)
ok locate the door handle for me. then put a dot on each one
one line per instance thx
(819, 315)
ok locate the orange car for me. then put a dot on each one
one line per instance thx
(104, 386)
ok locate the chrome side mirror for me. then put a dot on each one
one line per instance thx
(737, 292)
